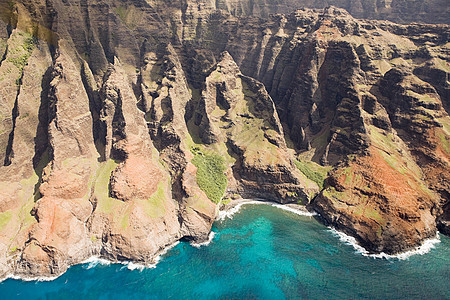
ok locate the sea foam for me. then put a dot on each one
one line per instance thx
(90, 263)
(130, 265)
(26, 278)
(137, 266)
(228, 214)
(426, 247)
(293, 210)
(94, 261)
(165, 250)
(205, 243)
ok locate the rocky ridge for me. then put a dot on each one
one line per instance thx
(126, 127)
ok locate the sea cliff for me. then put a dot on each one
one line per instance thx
(126, 125)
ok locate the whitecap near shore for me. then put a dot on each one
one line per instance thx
(228, 213)
(294, 210)
(139, 266)
(205, 243)
(26, 278)
(94, 261)
(425, 248)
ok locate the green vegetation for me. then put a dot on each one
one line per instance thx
(121, 12)
(394, 162)
(352, 177)
(154, 206)
(30, 188)
(20, 61)
(19, 55)
(374, 215)
(125, 221)
(444, 141)
(210, 174)
(5, 217)
(390, 149)
(24, 116)
(101, 190)
(27, 46)
(225, 201)
(129, 15)
(121, 211)
(380, 231)
(332, 194)
(367, 211)
(313, 171)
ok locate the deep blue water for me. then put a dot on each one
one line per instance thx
(262, 253)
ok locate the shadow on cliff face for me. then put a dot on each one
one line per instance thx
(41, 139)
(42, 148)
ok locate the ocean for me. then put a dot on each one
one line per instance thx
(259, 252)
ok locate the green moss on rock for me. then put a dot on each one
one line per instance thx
(154, 206)
(101, 190)
(313, 171)
(27, 46)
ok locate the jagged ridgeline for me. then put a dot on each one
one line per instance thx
(125, 125)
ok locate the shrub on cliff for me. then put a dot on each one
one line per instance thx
(210, 175)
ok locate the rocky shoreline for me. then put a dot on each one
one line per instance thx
(227, 211)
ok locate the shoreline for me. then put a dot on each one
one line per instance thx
(426, 246)
(234, 206)
(95, 260)
(226, 212)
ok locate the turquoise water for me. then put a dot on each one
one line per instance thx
(262, 253)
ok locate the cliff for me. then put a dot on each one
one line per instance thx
(126, 125)
(400, 11)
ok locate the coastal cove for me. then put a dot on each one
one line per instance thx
(260, 252)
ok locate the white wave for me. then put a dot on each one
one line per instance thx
(165, 250)
(29, 278)
(228, 214)
(349, 240)
(205, 243)
(136, 266)
(293, 210)
(426, 247)
(93, 261)
(139, 266)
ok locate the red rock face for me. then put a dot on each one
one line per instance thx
(137, 178)
(387, 208)
(108, 111)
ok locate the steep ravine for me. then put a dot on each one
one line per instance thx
(125, 126)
